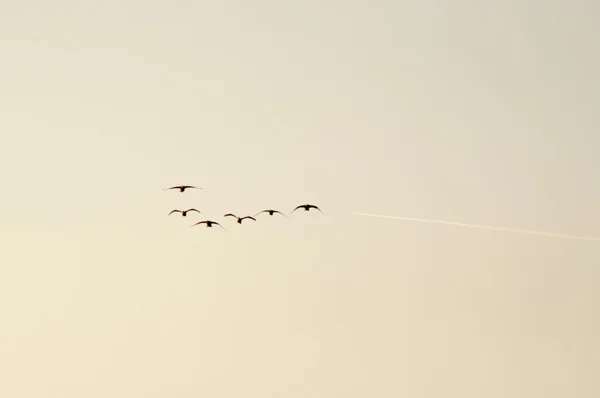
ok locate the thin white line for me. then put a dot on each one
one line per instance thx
(549, 234)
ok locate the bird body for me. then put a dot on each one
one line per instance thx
(183, 212)
(239, 219)
(307, 207)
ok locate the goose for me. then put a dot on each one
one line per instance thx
(239, 219)
(209, 224)
(183, 212)
(307, 208)
(270, 211)
(181, 187)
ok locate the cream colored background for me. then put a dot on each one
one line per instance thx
(470, 111)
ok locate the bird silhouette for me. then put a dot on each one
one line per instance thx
(306, 208)
(239, 219)
(209, 224)
(270, 211)
(183, 212)
(181, 187)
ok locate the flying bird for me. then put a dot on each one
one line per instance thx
(181, 187)
(183, 212)
(270, 211)
(209, 224)
(239, 219)
(306, 208)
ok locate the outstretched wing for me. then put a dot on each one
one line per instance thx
(177, 187)
(297, 207)
(264, 211)
(174, 211)
(193, 210)
(275, 211)
(230, 215)
(214, 222)
(200, 222)
(314, 207)
(252, 218)
(189, 186)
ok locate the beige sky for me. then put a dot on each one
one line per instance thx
(468, 111)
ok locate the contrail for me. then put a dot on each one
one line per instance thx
(553, 235)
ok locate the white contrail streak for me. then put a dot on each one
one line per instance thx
(458, 224)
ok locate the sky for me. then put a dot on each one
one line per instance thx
(466, 111)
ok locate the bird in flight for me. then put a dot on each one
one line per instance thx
(270, 211)
(181, 187)
(307, 208)
(209, 224)
(183, 212)
(239, 219)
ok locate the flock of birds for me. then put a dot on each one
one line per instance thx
(210, 223)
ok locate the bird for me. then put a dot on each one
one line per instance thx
(270, 211)
(181, 187)
(306, 208)
(183, 212)
(208, 223)
(239, 219)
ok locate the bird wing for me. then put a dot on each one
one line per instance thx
(177, 187)
(200, 222)
(297, 207)
(174, 211)
(264, 211)
(252, 218)
(315, 207)
(230, 215)
(193, 210)
(214, 222)
(275, 211)
(190, 186)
